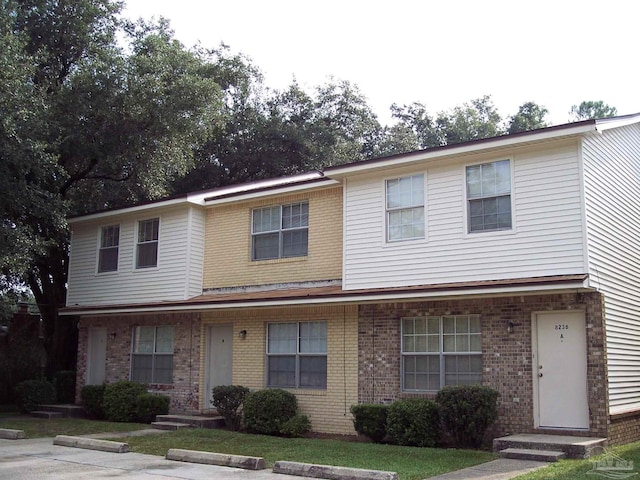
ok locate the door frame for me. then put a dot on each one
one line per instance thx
(207, 359)
(534, 367)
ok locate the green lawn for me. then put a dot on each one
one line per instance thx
(411, 463)
(581, 469)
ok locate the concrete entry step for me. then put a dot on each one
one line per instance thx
(198, 421)
(573, 447)
(535, 455)
(67, 410)
(44, 414)
(170, 425)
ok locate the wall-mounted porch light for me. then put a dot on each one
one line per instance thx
(242, 334)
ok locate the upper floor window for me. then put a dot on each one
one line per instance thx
(405, 208)
(152, 358)
(297, 355)
(489, 196)
(440, 351)
(147, 245)
(109, 246)
(280, 232)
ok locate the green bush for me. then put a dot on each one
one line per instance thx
(296, 426)
(120, 400)
(227, 399)
(65, 383)
(31, 393)
(370, 419)
(414, 422)
(148, 405)
(92, 398)
(265, 411)
(467, 412)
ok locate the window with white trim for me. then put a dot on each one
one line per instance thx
(441, 351)
(405, 208)
(109, 247)
(280, 231)
(489, 196)
(147, 244)
(152, 356)
(297, 355)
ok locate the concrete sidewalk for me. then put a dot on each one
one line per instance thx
(36, 459)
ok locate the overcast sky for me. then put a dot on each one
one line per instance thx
(441, 53)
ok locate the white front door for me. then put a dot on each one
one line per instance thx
(219, 359)
(96, 355)
(560, 370)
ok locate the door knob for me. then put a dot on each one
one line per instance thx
(540, 375)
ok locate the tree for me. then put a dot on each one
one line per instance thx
(589, 110)
(94, 126)
(472, 121)
(529, 117)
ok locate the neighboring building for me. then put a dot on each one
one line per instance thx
(512, 261)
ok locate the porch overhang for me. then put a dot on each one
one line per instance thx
(327, 295)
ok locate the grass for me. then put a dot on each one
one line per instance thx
(581, 469)
(411, 463)
(38, 427)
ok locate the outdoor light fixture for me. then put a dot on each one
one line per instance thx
(242, 334)
(511, 325)
(113, 335)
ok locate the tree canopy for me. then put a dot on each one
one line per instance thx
(98, 112)
(589, 110)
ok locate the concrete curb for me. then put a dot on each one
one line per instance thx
(9, 434)
(220, 459)
(91, 444)
(330, 472)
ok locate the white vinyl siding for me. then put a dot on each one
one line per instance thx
(177, 277)
(612, 186)
(546, 238)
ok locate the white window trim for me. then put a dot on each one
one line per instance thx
(280, 232)
(99, 248)
(297, 357)
(465, 208)
(154, 353)
(135, 244)
(386, 242)
(441, 354)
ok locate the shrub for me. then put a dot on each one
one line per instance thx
(120, 400)
(467, 412)
(265, 411)
(31, 393)
(414, 422)
(296, 426)
(228, 399)
(92, 398)
(370, 419)
(65, 383)
(148, 405)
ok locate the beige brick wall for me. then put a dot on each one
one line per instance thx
(228, 243)
(327, 409)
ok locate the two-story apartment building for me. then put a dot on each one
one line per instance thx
(512, 261)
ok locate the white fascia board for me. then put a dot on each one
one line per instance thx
(350, 299)
(617, 122)
(136, 208)
(271, 192)
(472, 147)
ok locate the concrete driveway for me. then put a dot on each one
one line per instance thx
(39, 459)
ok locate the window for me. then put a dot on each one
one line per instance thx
(147, 246)
(405, 208)
(152, 358)
(109, 246)
(297, 355)
(489, 196)
(440, 351)
(280, 232)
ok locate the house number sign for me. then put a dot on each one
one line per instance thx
(561, 327)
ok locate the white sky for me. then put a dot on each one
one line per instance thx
(441, 53)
